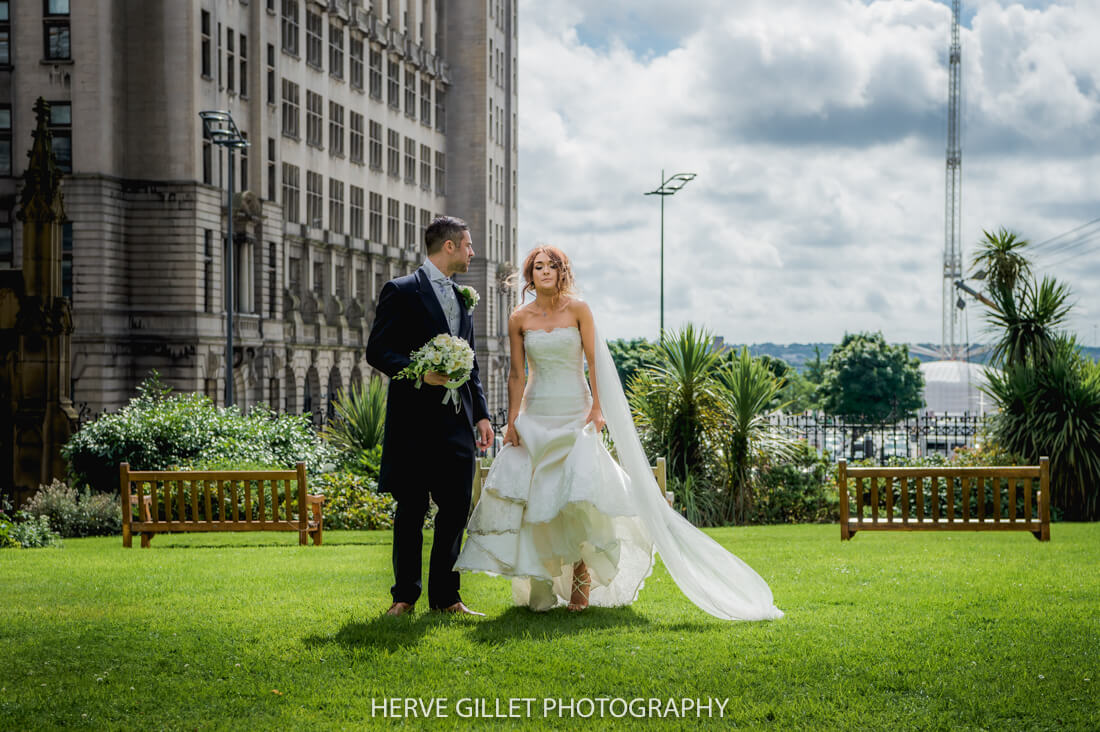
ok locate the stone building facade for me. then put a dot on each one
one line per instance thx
(365, 120)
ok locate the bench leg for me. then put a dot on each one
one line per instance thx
(302, 538)
(317, 533)
(127, 538)
(146, 537)
(845, 535)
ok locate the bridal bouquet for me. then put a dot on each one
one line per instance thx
(446, 354)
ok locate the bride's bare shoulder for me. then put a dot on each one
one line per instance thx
(579, 309)
(519, 316)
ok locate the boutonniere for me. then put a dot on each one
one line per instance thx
(469, 297)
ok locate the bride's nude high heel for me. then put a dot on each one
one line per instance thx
(581, 587)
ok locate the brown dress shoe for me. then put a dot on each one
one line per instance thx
(459, 609)
(399, 608)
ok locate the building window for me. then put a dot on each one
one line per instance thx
(270, 74)
(425, 218)
(410, 93)
(314, 111)
(393, 70)
(290, 27)
(205, 54)
(271, 169)
(208, 270)
(291, 193)
(410, 226)
(425, 167)
(355, 51)
(5, 140)
(319, 279)
(393, 222)
(7, 251)
(5, 34)
(207, 157)
(55, 23)
(67, 260)
(440, 112)
(294, 275)
(356, 210)
(336, 51)
(244, 164)
(375, 74)
(410, 160)
(393, 153)
(272, 285)
(230, 59)
(426, 102)
(336, 205)
(314, 199)
(375, 217)
(335, 129)
(290, 109)
(315, 30)
(244, 66)
(356, 124)
(375, 145)
(61, 128)
(440, 174)
(340, 289)
(361, 285)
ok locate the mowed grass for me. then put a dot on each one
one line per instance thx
(251, 631)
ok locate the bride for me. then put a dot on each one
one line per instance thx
(557, 513)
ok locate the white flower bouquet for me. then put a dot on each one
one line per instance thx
(446, 354)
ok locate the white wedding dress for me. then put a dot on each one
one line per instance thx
(560, 497)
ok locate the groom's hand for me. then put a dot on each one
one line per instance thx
(435, 378)
(484, 434)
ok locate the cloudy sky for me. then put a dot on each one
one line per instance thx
(817, 129)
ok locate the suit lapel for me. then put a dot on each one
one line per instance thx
(431, 302)
(465, 322)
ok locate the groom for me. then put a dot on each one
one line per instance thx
(428, 449)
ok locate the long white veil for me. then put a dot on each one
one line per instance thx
(711, 577)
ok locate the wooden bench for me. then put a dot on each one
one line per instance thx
(660, 472)
(946, 499)
(218, 500)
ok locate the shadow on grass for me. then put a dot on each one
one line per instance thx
(513, 624)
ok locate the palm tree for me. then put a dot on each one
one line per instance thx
(1000, 260)
(1028, 319)
(673, 399)
(746, 388)
(360, 418)
(1052, 408)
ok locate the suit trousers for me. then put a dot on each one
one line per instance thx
(449, 482)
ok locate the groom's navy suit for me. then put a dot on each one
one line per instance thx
(427, 448)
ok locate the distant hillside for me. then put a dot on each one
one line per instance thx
(798, 354)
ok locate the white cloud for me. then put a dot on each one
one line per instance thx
(817, 129)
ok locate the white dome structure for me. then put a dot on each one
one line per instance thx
(952, 387)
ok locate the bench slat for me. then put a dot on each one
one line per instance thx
(1021, 471)
(988, 487)
(136, 475)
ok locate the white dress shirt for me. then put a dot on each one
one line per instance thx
(445, 293)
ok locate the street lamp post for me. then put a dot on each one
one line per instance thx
(669, 187)
(223, 131)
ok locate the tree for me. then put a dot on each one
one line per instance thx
(630, 356)
(674, 398)
(867, 378)
(747, 390)
(1000, 260)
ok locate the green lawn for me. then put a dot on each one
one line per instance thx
(251, 631)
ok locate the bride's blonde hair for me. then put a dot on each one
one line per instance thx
(566, 283)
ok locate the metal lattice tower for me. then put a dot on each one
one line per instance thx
(952, 248)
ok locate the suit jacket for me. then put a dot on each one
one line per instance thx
(418, 424)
